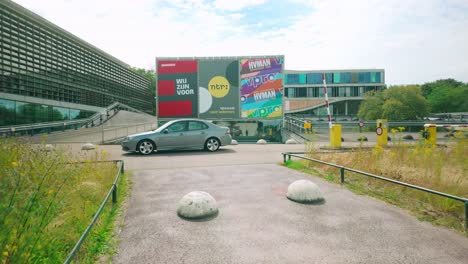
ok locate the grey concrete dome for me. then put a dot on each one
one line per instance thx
(304, 191)
(88, 146)
(48, 147)
(197, 205)
(291, 141)
(261, 142)
(234, 142)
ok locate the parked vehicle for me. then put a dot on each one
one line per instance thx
(179, 134)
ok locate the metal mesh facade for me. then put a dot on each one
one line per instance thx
(39, 59)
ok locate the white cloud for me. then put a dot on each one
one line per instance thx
(234, 5)
(414, 41)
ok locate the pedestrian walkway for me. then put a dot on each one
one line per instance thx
(257, 224)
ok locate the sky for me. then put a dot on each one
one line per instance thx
(414, 41)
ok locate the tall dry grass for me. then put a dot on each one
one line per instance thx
(47, 199)
(443, 168)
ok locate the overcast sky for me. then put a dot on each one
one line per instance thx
(415, 41)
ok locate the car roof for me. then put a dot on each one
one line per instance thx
(189, 119)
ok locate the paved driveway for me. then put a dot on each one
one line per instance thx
(257, 224)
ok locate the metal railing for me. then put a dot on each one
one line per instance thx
(117, 132)
(295, 125)
(96, 119)
(342, 179)
(112, 192)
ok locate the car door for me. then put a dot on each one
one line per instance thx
(196, 134)
(173, 136)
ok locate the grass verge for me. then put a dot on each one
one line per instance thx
(439, 168)
(48, 198)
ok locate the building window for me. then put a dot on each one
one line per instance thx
(7, 112)
(337, 77)
(364, 77)
(301, 92)
(295, 79)
(314, 78)
(346, 77)
(329, 77)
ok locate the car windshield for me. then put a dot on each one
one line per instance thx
(161, 128)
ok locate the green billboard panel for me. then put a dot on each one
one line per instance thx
(218, 90)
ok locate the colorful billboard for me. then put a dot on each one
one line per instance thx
(261, 87)
(218, 82)
(177, 88)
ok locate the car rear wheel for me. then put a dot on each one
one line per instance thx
(212, 144)
(146, 147)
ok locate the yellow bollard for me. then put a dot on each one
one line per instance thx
(307, 127)
(430, 135)
(382, 132)
(335, 136)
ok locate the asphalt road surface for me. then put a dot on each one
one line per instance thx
(257, 224)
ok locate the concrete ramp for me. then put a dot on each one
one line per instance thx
(126, 118)
(119, 126)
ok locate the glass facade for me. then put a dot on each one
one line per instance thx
(333, 91)
(346, 89)
(19, 113)
(296, 79)
(38, 59)
(335, 78)
(313, 78)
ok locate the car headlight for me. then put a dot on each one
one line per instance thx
(128, 138)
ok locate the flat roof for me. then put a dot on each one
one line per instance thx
(331, 71)
(51, 26)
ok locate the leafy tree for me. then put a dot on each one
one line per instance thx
(395, 103)
(446, 96)
(428, 88)
(371, 107)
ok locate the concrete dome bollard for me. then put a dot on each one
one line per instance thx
(88, 146)
(234, 142)
(48, 147)
(304, 191)
(362, 138)
(261, 142)
(291, 141)
(197, 205)
(408, 137)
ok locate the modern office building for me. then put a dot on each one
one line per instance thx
(48, 74)
(304, 93)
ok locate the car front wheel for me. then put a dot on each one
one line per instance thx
(212, 144)
(146, 147)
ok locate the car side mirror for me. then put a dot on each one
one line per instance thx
(165, 131)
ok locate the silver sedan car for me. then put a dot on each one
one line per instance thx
(179, 134)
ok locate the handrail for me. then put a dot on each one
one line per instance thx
(108, 130)
(112, 192)
(83, 121)
(343, 169)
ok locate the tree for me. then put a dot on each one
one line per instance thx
(428, 88)
(371, 107)
(446, 96)
(395, 103)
